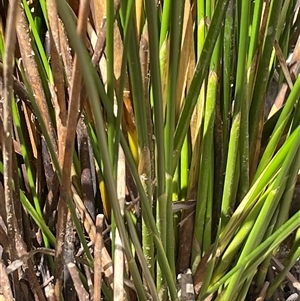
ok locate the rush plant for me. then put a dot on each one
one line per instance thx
(150, 149)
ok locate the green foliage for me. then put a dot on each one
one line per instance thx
(159, 119)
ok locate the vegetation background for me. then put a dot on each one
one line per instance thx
(150, 150)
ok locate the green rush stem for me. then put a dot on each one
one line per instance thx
(37, 218)
(157, 95)
(262, 271)
(25, 156)
(255, 26)
(208, 8)
(259, 253)
(140, 253)
(207, 233)
(255, 47)
(230, 174)
(228, 42)
(165, 22)
(287, 197)
(257, 105)
(149, 220)
(296, 242)
(1, 45)
(161, 256)
(38, 42)
(199, 76)
(151, 14)
(112, 150)
(211, 100)
(88, 76)
(44, 10)
(205, 167)
(137, 89)
(257, 188)
(184, 169)
(235, 241)
(204, 195)
(210, 266)
(263, 218)
(144, 168)
(286, 16)
(244, 290)
(279, 128)
(240, 120)
(200, 26)
(241, 99)
(147, 209)
(175, 45)
(110, 78)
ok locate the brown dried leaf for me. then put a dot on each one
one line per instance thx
(91, 230)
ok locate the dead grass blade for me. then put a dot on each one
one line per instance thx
(7, 142)
(25, 257)
(98, 264)
(58, 94)
(98, 8)
(73, 115)
(87, 178)
(32, 74)
(81, 292)
(91, 230)
(6, 293)
(290, 75)
(187, 57)
(295, 61)
(139, 8)
(119, 291)
(283, 65)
